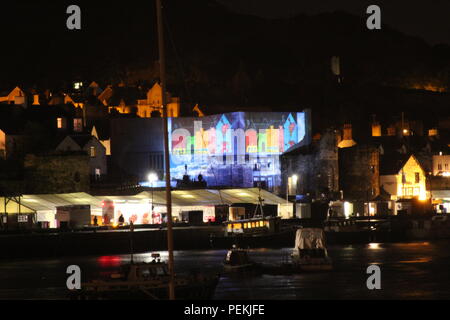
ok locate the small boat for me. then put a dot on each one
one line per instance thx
(255, 230)
(310, 251)
(147, 281)
(237, 260)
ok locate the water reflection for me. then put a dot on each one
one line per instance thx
(416, 270)
(109, 261)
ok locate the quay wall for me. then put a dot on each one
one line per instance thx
(34, 245)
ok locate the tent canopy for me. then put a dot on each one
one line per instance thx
(199, 197)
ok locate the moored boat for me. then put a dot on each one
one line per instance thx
(237, 260)
(147, 281)
(255, 230)
(310, 251)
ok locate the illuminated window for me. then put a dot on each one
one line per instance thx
(410, 191)
(22, 218)
(92, 152)
(59, 123)
(372, 209)
(77, 125)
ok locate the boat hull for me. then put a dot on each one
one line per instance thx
(245, 268)
(196, 290)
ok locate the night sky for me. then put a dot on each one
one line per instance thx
(37, 45)
(429, 20)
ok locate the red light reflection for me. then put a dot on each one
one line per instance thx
(109, 261)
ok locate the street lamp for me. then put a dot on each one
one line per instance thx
(152, 178)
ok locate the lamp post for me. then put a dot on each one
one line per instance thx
(152, 178)
(294, 181)
(162, 74)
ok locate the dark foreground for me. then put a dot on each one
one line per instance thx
(414, 270)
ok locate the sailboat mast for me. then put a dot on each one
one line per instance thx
(162, 68)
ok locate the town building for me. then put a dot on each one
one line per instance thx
(127, 100)
(239, 149)
(404, 178)
(90, 145)
(313, 170)
(17, 97)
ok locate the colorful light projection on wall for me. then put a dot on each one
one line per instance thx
(234, 149)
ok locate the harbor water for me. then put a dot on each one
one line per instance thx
(413, 270)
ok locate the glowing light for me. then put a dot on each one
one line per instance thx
(429, 87)
(372, 209)
(187, 196)
(422, 195)
(348, 208)
(243, 194)
(109, 261)
(30, 200)
(152, 177)
(374, 246)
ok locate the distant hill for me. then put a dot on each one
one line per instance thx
(217, 57)
(224, 57)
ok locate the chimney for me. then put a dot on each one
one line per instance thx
(347, 132)
(35, 100)
(376, 127)
(391, 131)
